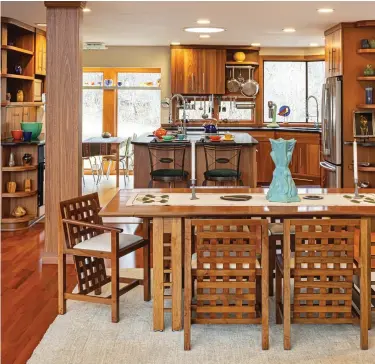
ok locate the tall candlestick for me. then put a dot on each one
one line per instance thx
(193, 160)
(355, 167)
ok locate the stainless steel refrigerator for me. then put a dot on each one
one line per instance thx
(331, 163)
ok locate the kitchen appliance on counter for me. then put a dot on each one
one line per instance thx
(332, 133)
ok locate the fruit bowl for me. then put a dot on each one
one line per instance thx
(34, 127)
(168, 137)
(215, 138)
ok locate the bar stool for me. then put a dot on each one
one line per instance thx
(222, 163)
(322, 268)
(167, 163)
(232, 280)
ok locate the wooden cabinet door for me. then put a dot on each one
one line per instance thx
(337, 53)
(220, 71)
(184, 71)
(29, 114)
(14, 118)
(39, 46)
(207, 71)
(328, 54)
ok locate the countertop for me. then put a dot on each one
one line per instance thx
(237, 127)
(239, 138)
(11, 142)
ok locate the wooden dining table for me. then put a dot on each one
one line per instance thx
(170, 219)
(99, 146)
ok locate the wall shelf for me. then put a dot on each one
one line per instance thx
(234, 63)
(15, 220)
(367, 50)
(366, 169)
(366, 106)
(17, 49)
(18, 194)
(366, 78)
(19, 168)
(20, 77)
(18, 104)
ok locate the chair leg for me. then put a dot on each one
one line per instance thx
(115, 281)
(204, 183)
(123, 169)
(61, 283)
(241, 182)
(278, 291)
(147, 273)
(188, 286)
(272, 257)
(150, 184)
(109, 168)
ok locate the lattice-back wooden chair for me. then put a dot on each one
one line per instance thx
(222, 163)
(167, 163)
(229, 273)
(322, 267)
(90, 242)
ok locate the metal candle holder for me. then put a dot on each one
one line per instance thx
(356, 193)
(193, 193)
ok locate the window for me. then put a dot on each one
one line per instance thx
(289, 83)
(92, 104)
(138, 103)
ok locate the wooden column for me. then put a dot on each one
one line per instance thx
(64, 112)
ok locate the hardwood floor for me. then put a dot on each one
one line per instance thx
(29, 289)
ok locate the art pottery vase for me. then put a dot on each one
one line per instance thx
(27, 159)
(11, 187)
(12, 161)
(18, 69)
(368, 71)
(19, 211)
(19, 96)
(282, 188)
(27, 185)
(239, 56)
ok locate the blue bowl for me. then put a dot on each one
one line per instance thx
(27, 136)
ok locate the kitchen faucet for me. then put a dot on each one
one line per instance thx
(179, 96)
(316, 123)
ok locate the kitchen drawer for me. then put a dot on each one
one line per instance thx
(29, 114)
(38, 90)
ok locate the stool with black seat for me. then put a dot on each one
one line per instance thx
(222, 163)
(167, 163)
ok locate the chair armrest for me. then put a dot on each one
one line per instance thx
(94, 226)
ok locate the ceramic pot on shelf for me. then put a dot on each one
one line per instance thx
(18, 69)
(11, 187)
(27, 159)
(19, 96)
(12, 161)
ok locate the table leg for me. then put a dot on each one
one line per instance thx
(365, 279)
(118, 166)
(176, 245)
(158, 278)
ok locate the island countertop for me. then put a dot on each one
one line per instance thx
(198, 137)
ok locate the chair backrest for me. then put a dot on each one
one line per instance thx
(227, 262)
(91, 273)
(223, 156)
(86, 209)
(323, 273)
(166, 156)
(126, 149)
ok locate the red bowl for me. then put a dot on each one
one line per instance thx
(17, 134)
(215, 138)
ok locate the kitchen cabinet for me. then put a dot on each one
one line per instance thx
(304, 166)
(333, 53)
(40, 54)
(29, 114)
(197, 71)
(14, 118)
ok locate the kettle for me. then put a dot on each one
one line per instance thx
(210, 127)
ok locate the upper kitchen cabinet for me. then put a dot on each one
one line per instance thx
(40, 53)
(333, 52)
(197, 71)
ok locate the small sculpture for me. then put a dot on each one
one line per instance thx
(272, 107)
(27, 159)
(12, 161)
(18, 69)
(27, 185)
(369, 71)
(11, 187)
(282, 188)
(19, 96)
(19, 211)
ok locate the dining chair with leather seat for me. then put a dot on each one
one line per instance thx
(90, 243)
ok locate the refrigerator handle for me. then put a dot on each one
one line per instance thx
(325, 119)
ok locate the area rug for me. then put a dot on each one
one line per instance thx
(85, 335)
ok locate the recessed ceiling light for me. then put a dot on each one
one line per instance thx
(325, 10)
(289, 30)
(255, 44)
(203, 21)
(204, 36)
(313, 44)
(41, 24)
(86, 10)
(175, 43)
(204, 30)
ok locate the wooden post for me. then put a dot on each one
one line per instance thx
(64, 112)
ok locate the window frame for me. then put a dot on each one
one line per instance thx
(306, 59)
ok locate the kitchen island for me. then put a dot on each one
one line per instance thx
(247, 166)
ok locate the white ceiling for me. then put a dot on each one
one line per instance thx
(161, 22)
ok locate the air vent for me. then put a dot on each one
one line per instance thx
(94, 45)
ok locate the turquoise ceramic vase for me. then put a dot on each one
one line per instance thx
(282, 188)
